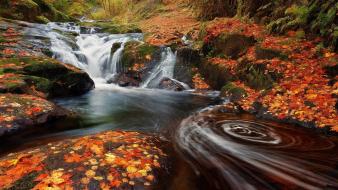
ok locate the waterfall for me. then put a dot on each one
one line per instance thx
(89, 51)
(92, 52)
(164, 69)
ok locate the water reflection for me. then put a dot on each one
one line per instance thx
(146, 110)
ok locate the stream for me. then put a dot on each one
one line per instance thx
(210, 150)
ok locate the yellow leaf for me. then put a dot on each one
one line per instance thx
(131, 169)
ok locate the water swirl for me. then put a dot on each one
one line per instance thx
(242, 154)
(251, 132)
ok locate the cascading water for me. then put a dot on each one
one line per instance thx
(91, 52)
(165, 69)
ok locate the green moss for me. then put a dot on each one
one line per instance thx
(41, 84)
(45, 69)
(2, 39)
(28, 4)
(146, 49)
(42, 19)
(136, 52)
(256, 76)
(26, 182)
(232, 91)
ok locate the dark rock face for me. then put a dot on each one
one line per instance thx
(48, 76)
(115, 47)
(126, 79)
(32, 11)
(233, 92)
(230, 45)
(169, 84)
(137, 60)
(216, 75)
(256, 76)
(22, 112)
(187, 59)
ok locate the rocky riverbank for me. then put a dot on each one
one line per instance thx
(28, 79)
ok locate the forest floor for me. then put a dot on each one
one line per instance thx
(175, 21)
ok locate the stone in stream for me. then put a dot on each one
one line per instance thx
(108, 160)
(42, 76)
(169, 84)
(115, 47)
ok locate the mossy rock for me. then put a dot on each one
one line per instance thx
(20, 10)
(72, 83)
(137, 52)
(187, 59)
(263, 53)
(42, 19)
(256, 76)
(115, 47)
(24, 112)
(228, 45)
(45, 69)
(41, 84)
(216, 75)
(39, 11)
(48, 76)
(233, 92)
(11, 83)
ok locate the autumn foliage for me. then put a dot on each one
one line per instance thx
(304, 92)
(107, 160)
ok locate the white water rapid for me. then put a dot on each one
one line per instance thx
(162, 70)
(91, 51)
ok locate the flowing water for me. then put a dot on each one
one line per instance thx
(235, 152)
(211, 149)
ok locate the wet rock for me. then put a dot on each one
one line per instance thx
(136, 52)
(215, 75)
(125, 79)
(233, 92)
(22, 112)
(230, 45)
(115, 47)
(47, 76)
(170, 84)
(138, 59)
(109, 160)
(187, 59)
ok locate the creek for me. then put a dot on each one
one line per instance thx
(210, 150)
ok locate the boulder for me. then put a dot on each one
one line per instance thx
(115, 47)
(22, 112)
(170, 84)
(125, 79)
(216, 75)
(233, 92)
(187, 59)
(44, 77)
(108, 160)
(229, 45)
